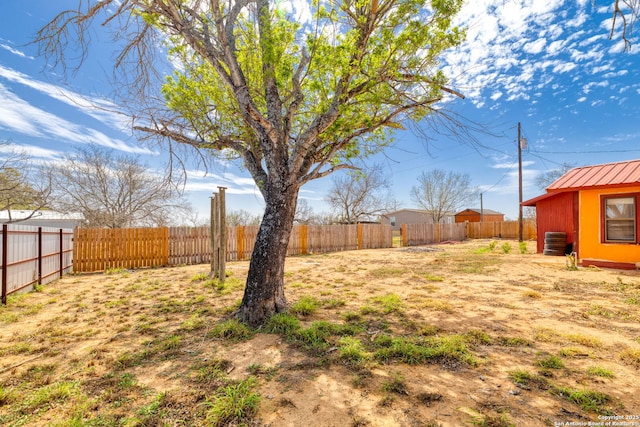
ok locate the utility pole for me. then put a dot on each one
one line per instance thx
(519, 183)
(481, 209)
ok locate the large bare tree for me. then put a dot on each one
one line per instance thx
(241, 217)
(442, 193)
(114, 191)
(361, 195)
(22, 185)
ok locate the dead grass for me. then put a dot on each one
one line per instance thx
(464, 335)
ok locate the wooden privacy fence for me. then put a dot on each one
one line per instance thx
(189, 245)
(504, 230)
(423, 234)
(33, 255)
(304, 239)
(100, 249)
(314, 239)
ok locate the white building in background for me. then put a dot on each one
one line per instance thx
(43, 218)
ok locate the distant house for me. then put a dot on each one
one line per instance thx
(598, 209)
(43, 218)
(412, 216)
(479, 215)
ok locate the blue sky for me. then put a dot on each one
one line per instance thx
(547, 64)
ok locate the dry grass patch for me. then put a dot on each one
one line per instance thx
(630, 357)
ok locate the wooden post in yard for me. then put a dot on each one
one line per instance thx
(214, 250)
(218, 235)
(222, 263)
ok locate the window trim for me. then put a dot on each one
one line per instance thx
(603, 217)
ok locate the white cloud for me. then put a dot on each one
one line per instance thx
(518, 45)
(555, 47)
(593, 56)
(512, 164)
(591, 40)
(11, 116)
(201, 181)
(19, 116)
(588, 87)
(535, 46)
(33, 151)
(100, 109)
(564, 67)
(602, 68)
(300, 10)
(616, 74)
(554, 31)
(15, 51)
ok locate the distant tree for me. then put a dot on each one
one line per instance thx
(529, 213)
(361, 195)
(304, 213)
(440, 192)
(325, 218)
(547, 178)
(22, 185)
(242, 217)
(192, 218)
(114, 191)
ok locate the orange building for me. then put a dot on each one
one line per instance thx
(597, 208)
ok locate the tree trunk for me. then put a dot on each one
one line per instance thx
(264, 290)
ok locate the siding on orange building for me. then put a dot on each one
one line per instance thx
(593, 251)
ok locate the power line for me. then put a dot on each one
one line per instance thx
(501, 178)
(545, 159)
(588, 152)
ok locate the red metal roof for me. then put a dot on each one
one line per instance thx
(535, 200)
(610, 174)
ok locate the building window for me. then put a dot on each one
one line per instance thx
(620, 219)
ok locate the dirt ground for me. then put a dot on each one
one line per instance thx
(539, 344)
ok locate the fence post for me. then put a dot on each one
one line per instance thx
(240, 242)
(223, 235)
(303, 242)
(214, 235)
(403, 234)
(76, 249)
(61, 255)
(4, 263)
(39, 255)
(359, 237)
